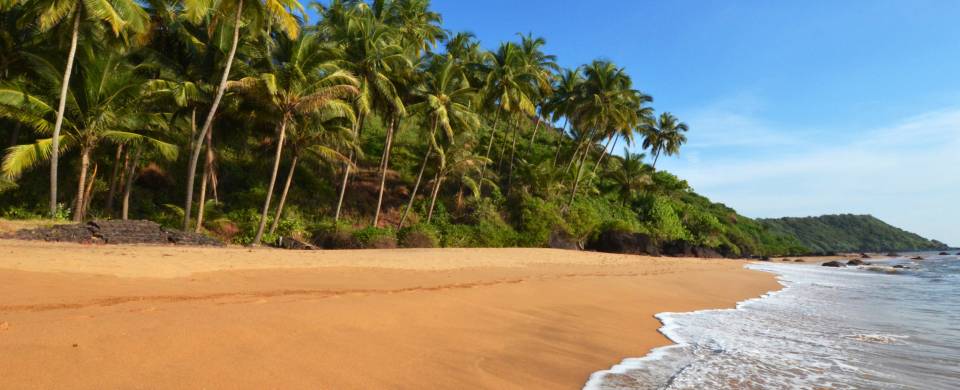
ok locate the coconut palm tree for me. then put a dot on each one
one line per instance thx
(445, 99)
(303, 83)
(318, 136)
(102, 106)
(69, 16)
(632, 176)
(372, 51)
(509, 85)
(560, 104)
(665, 135)
(607, 102)
(234, 13)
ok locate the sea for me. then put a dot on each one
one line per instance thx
(863, 327)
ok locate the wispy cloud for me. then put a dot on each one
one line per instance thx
(907, 173)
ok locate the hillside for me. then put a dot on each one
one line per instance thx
(849, 233)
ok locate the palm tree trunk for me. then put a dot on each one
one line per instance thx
(55, 147)
(656, 156)
(576, 181)
(383, 170)
(433, 198)
(88, 194)
(513, 152)
(615, 138)
(283, 195)
(343, 187)
(114, 180)
(563, 133)
(82, 183)
(195, 156)
(273, 181)
(128, 188)
(205, 178)
(534, 136)
(416, 187)
(486, 156)
(346, 169)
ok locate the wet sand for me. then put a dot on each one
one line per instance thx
(169, 317)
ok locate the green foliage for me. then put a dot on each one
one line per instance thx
(849, 233)
(662, 220)
(537, 220)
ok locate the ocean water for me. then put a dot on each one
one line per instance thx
(872, 327)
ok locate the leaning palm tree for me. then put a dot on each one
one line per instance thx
(372, 51)
(561, 102)
(319, 136)
(607, 103)
(510, 86)
(122, 16)
(303, 83)
(445, 99)
(664, 136)
(233, 12)
(103, 106)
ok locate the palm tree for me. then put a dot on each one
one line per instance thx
(303, 83)
(607, 103)
(632, 176)
(509, 86)
(665, 135)
(445, 99)
(372, 51)
(561, 102)
(319, 136)
(122, 16)
(234, 12)
(103, 106)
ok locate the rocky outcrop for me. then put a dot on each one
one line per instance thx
(833, 264)
(944, 254)
(680, 248)
(856, 262)
(613, 241)
(117, 232)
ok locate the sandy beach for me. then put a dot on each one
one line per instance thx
(172, 317)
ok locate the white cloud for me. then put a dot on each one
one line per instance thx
(907, 173)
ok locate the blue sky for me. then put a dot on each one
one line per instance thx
(796, 108)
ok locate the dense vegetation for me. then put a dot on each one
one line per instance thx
(366, 124)
(850, 233)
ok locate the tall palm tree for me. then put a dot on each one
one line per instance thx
(509, 85)
(445, 99)
(608, 102)
(318, 136)
(372, 51)
(103, 106)
(303, 83)
(561, 102)
(632, 176)
(233, 12)
(122, 16)
(664, 136)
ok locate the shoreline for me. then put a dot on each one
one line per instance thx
(441, 318)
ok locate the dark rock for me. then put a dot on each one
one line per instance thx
(958, 253)
(899, 266)
(833, 264)
(798, 261)
(417, 239)
(944, 254)
(335, 240)
(382, 242)
(784, 259)
(764, 258)
(613, 241)
(293, 243)
(178, 237)
(855, 262)
(117, 232)
(864, 256)
(680, 248)
(561, 240)
(917, 258)
(893, 254)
